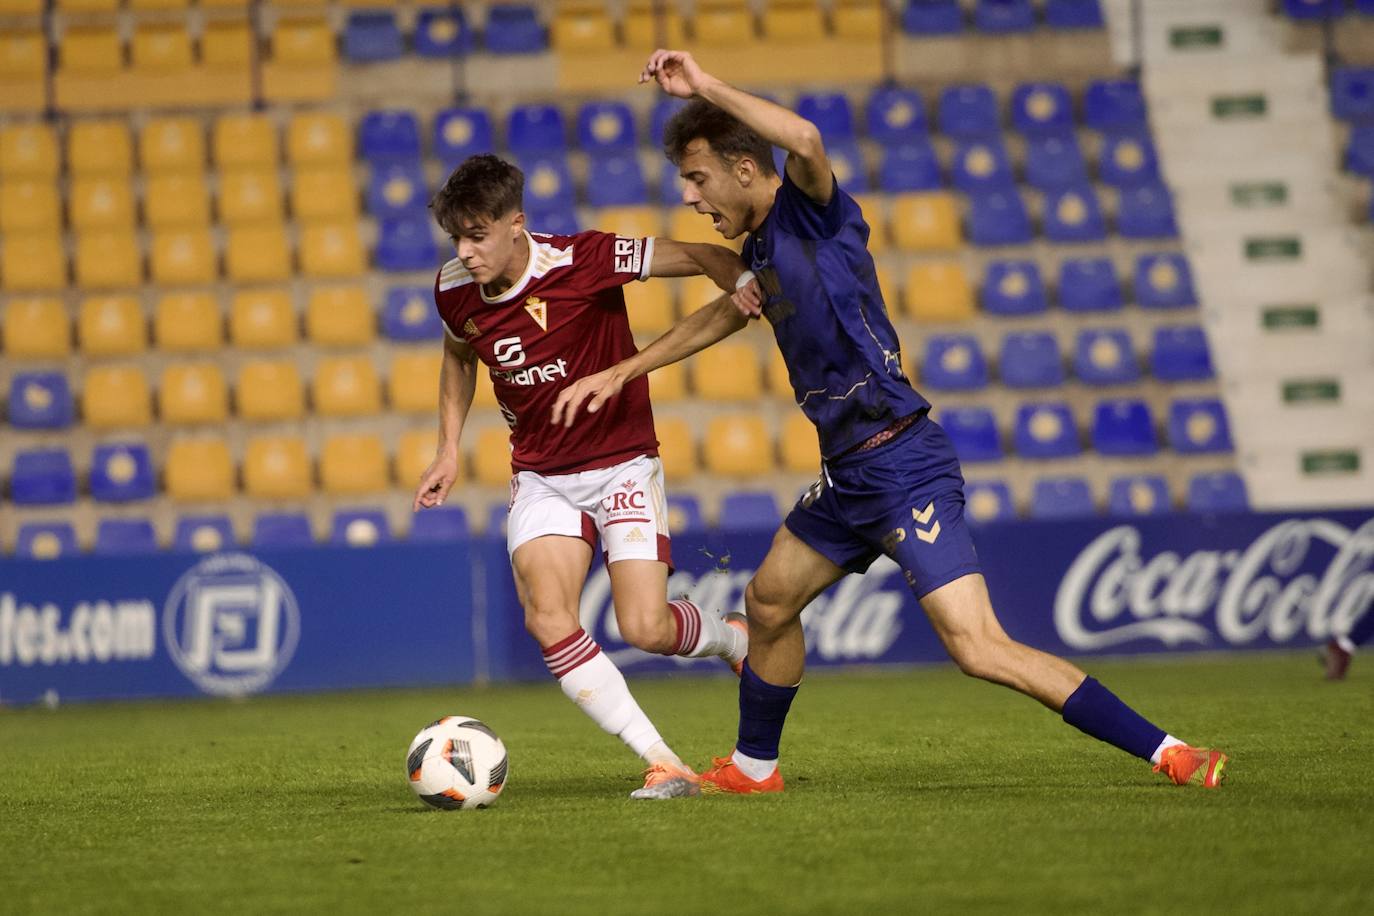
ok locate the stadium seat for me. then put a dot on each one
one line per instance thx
(548, 182)
(998, 218)
(632, 222)
(389, 136)
(161, 51)
(460, 133)
(1138, 494)
(1061, 497)
(1089, 285)
(1013, 288)
(282, 530)
(1004, 16)
(676, 448)
(1359, 150)
(346, 386)
(32, 262)
(650, 309)
(779, 378)
(723, 24)
(176, 200)
(583, 30)
(261, 319)
(1114, 105)
(115, 396)
(439, 525)
(124, 537)
(397, 189)
(1128, 161)
(190, 393)
(1218, 491)
(1145, 212)
(981, 165)
(559, 219)
(535, 129)
(187, 322)
(1104, 356)
(227, 47)
(491, 462)
(111, 325)
(332, 249)
(371, 36)
(276, 467)
(728, 372)
(925, 222)
(359, 527)
(244, 141)
(910, 166)
(1352, 94)
(303, 45)
(1046, 430)
(108, 259)
(1181, 354)
(324, 193)
(27, 205)
(1073, 216)
(442, 32)
(973, 431)
(785, 21)
(1038, 109)
(896, 115)
(830, 112)
(954, 362)
(413, 381)
(100, 202)
(259, 253)
(748, 511)
(513, 29)
(932, 17)
(1124, 426)
(1199, 426)
(873, 207)
(249, 195)
(1073, 14)
(40, 400)
(1031, 359)
(407, 245)
(1314, 9)
(737, 445)
(1054, 162)
(969, 112)
(28, 150)
(988, 501)
(684, 515)
(121, 473)
(798, 446)
(353, 464)
(939, 291)
(45, 540)
(409, 315)
(415, 452)
(605, 127)
(664, 108)
(99, 147)
(36, 328)
(203, 534)
(616, 180)
(270, 390)
(1163, 281)
(42, 477)
(668, 384)
(847, 162)
(318, 138)
(339, 316)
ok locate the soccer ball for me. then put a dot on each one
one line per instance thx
(457, 762)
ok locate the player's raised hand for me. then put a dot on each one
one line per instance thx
(437, 480)
(595, 389)
(677, 72)
(748, 298)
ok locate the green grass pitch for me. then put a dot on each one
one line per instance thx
(908, 791)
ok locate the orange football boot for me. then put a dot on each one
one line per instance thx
(724, 776)
(663, 780)
(1197, 765)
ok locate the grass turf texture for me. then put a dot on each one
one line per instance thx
(907, 790)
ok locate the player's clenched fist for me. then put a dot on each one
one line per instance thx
(677, 73)
(437, 480)
(748, 296)
(600, 388)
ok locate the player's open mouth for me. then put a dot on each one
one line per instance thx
(716, 219)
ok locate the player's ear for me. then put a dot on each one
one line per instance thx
(746, 170)
(517, 224)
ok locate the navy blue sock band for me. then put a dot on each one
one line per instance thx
(1096, 711)
(762, 713)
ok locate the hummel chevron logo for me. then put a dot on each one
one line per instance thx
(923, 517)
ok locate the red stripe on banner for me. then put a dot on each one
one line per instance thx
(621, 521)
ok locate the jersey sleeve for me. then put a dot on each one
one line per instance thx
(803, 217)
(449, 309)
(605, 260)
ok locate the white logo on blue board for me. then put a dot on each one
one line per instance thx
(231, 624)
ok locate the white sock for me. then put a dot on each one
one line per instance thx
(662, 753)
(1168, 742)
(755, 769)
(595, 684)
(1345, 643)
(702, 634)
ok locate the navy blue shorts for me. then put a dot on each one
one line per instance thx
(904, 499)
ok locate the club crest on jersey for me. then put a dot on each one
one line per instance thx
(539, 311)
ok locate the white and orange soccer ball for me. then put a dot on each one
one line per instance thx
(457, 762)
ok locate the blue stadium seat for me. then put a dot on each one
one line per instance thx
(536, 129)
(1061, 497)
(670, 185)
(1164, 281)
(1314, 9)
(548, 181)
(1124, 426)
(981, 165)
(954, 362)
(460, 133)
(847, 162)
(40, 400)
(1073, 14)
(406, 244)
(124, 536)
(409, 315)
(1104, 356)
(1038, 109)
(1073, 216)
(1199, 426)
(1004, 16)
(1146, 212)
(969, 111)
(397, 189)
(1055, 161)
(514, 29)
(45, 540)
(616, 180)
(1181, 354)
(910, 166)
(896, 115)
(606, 127)
(1128, 161)
(988, 501)
(42, 477)
(1046, 430)
(1114, 105)
(932, 17)
(1364, 7)
(973, 431)
(282, 529)
(556, 220)
(1013, 288)
(371, 36)
(684, 515)
(1089, 285)
(442, 32)
(663, 109)
(748, 511)
(359, 527)
(1352, 94)
(203, 533)
(1138, 494)
(998, 218)
(1218, 491)
(1031, 359)
(830, 112)
(389, 135)
(444, 524)
(1359, 151)
(122, 473)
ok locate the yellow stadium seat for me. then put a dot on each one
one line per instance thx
(324, 193)
(794, 21)
(676, 448)
(262, 319)
(276, 467)
(250, 195)
(346, 386)
(168, 145)
(650, 307)
(28, 206)
(491, 457)
(631, 222)
(858, 20)
(108, 259)
(303, 42)
(415, 453)
(32, 262)
(668, 383)
(111, 326)
(258, 254)
(23, 55)
(159, 4)
(583, 32)
(88, 6)
(225, 4)
(270, 390)
(161, 49)
(939, 291)
(332, 249)
(726, 26)
(727, 372)
(687, 225)
(695, 292)
(413, 385)
(183, 257)
(874, 215)
(340, 316)
(36, 328)
(798, 445)
(484, 395)
(21, 7)
(176, 200)
(100, 148)
(91, 51)
(115, 396)
(352, 465)
(738, 446)
(926, 221)
(888, 288)
(226, 46)
(648, 25)
(193, 393)
(199, 471)
(319, 139)
(779, 382)
(100, 202)
(188, 322)
(28, 150)
(244, 141)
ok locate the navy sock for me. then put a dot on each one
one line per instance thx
(1096, 711)
(762, 713)
(1363, 630)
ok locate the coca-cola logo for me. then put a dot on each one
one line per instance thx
(1302, 576)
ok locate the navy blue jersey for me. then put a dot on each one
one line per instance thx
(828, 316)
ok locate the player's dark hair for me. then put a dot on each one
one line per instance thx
(730, 138)
(483, 187)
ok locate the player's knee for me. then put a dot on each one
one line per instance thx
(766, 610)
(978, 656)
(548, 623)
(650, 632)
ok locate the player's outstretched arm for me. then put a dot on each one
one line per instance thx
(689, 259)
(678, 73)
(457, 383)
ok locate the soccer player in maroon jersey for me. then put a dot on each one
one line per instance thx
(541, 311)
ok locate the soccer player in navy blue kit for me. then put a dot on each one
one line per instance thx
(890, 482)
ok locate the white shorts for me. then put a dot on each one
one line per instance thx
(623, 504)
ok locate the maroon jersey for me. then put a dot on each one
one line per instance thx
(562, 320)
